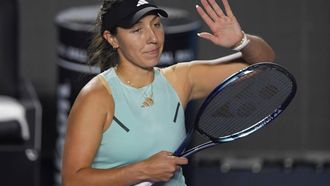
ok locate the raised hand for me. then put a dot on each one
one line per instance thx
(225, 29)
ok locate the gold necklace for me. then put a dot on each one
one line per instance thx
(148, 101)
(148, 98)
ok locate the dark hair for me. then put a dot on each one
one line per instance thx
(100, 52)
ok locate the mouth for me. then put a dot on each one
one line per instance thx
(153, 52)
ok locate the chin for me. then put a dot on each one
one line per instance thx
(151, 62)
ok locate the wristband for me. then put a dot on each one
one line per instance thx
(243, 43)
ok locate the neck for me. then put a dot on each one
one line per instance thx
(137, 77)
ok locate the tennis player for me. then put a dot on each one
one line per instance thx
(128, 120)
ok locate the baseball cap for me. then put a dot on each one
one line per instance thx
(127, 12)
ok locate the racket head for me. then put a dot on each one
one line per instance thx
(245, 102)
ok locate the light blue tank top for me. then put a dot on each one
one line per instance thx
(138, 132)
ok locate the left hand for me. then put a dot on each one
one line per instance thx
(225, 28)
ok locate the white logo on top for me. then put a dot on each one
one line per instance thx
(142, 2)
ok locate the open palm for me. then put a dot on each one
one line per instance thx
(225, 29)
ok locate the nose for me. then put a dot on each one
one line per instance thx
(152, 36)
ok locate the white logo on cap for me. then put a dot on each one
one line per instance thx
(142, 2)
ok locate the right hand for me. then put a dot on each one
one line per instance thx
(162, 166)
(225, 29)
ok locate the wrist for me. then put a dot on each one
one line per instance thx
(242, 43)
(141, 174)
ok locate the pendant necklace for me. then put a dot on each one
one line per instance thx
(148, 101)
(147, 94)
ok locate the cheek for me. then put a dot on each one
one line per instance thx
(129, 42)
(130, 48)
(161, 36)
(131, 45)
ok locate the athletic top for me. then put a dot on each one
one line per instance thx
(136, 131)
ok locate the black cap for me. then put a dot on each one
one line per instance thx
(127, 12)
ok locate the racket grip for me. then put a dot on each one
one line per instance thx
(144, 184)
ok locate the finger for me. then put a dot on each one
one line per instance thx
(227, 8)
(181, 161)
(207, 36)
(204, 16)
(209, 10)
(216, 8)
(184, 160)
(168, 153)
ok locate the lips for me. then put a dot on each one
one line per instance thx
(153, 52)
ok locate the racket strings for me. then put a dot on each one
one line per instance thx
(244, 108)
(244, 102)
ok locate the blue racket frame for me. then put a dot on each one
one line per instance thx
(214, 141)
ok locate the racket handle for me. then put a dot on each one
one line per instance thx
(144, 184)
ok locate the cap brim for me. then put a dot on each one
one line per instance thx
(131, 20)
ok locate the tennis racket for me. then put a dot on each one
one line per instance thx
(242, 104)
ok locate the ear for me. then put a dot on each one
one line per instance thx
(112, 40)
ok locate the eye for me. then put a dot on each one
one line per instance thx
(158, 24)
(136, 30)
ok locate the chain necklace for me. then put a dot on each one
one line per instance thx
(148, 98)
(148, 101)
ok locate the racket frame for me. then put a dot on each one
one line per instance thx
(214, 141)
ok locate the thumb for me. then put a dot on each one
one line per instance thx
(181, 160)
(207, 36)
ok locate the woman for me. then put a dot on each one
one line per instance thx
(127, 121)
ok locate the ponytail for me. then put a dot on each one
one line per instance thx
(100, 52)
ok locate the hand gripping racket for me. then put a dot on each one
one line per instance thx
(240, 105)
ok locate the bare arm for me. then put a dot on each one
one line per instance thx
(204, 75)
(257, 50)
(200, 77)
(90, 116)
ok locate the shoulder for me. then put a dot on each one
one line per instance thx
(177, 76)
(93, 105)
(177, 71)
(95, 94)
(96, 87)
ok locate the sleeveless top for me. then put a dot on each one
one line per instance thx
(138, 132)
